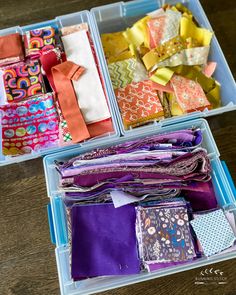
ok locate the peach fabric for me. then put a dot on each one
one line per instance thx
(189, 94)
(156, 29)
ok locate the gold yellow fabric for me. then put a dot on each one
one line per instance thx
(188, 29)
(163, 51)
(116, 47)
(162, 76)
(138, 34)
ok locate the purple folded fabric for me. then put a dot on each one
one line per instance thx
(179, 140)
(202, 200)
(167, 176)
(185, 167)
(103, 241)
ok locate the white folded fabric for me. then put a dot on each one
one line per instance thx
(88, 88)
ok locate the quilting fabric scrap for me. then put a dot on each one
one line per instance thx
(29, 125)
(189, 29)
(177, 140)
(188, 57)
(101, 250)
(92, 100)
(189, 94)
(163, 27)
(136, 35)
(116, 47)
(213, 232)
(164, 233)
(139, 103)
(23, 80)
(50, 59)
(39, 40)
(127, 71)
(11, 49)
(163, 52)
(63, 74)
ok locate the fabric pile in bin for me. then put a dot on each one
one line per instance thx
(60, 64)
(159, 187)
(160, 67)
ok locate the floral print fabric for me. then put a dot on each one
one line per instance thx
(189, 94)
(165, 234)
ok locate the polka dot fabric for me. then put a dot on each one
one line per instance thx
(213, 232)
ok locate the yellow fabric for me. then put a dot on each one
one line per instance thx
(163, 51)
(181, 8)
(174, 106)
(214, 96)
(143, 50)
(158, 116)
(162, 76)
(138, 34)
(116, 47)
(189, 29)
(124, 55)
(192, 43)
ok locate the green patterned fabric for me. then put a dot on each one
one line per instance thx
(122, 72)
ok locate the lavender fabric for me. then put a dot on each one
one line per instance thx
(103, 241)
(185, 167)
(179, 140)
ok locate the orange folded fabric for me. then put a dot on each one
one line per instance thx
(11, 49)
(63, 74)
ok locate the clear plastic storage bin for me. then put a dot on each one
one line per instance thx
(223, 186)
(118, 16)
(60, 22)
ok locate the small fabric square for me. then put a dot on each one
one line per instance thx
(189, 94)
(38, 40)
(23, 80)
(103, 241)
(164, 234)
(139, 103)
(213, 232)
(116, 47)
(125, 72)
(11, 49)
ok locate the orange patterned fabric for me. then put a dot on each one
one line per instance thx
(189, 94)
(139, 103)
(156, 29)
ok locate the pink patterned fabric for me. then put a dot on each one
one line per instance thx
(29, 125)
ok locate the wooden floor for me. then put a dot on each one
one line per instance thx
(27, 260)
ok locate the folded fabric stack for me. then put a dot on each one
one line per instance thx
(45, 98)
(129, 207)
(159, 67)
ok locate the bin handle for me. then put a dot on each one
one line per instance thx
(229, 177)
(51, 226)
